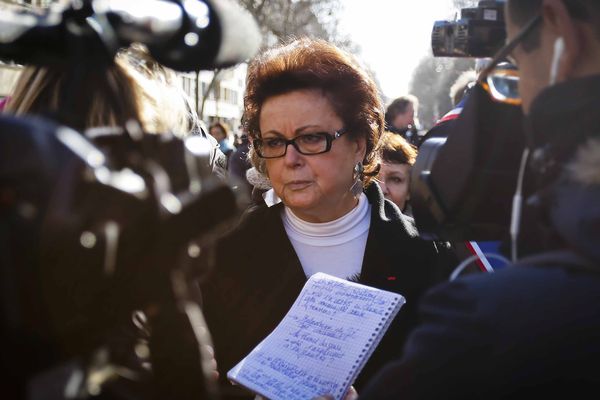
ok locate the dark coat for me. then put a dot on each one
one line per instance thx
(259, 276)
(531, 330)
(527, 331)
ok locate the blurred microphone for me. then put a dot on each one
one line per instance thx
(212, 33)
(184, 35)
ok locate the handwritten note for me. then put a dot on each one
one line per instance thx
(322, 343)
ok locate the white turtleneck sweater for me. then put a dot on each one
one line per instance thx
(336, 247)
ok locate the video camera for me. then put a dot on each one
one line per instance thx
(102, 231)
(480, 32)
(468, 166)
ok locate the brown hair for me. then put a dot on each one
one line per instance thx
(396, 150)
(222, 127)
(399, 106)
(315, 64)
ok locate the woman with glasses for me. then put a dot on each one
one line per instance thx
(314, 118)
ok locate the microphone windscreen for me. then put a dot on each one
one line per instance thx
(216, 34)
(240, 36)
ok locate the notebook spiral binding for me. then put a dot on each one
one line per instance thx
(370, 347)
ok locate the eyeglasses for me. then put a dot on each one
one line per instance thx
(501, 79)
(309, 144)
(502, 83)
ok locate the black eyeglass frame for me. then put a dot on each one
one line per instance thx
(329, 138)
(509, 47)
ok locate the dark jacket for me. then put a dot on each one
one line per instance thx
(239, 164)
(531, 330)
(259, 275)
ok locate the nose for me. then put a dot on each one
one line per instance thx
(292, 157)
(383, 187)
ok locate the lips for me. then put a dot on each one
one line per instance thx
(298, 185)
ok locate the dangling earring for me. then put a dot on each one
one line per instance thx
(357, 186)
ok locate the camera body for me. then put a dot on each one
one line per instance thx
(479, 32)
(467, 167)
(105, 233)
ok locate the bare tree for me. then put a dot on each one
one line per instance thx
(433, 77)
(280, 20)
(431, 84)
(465, 3)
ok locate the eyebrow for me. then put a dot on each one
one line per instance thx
(396, 173)
(297, 131)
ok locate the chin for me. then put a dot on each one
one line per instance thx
(299, 202)
(299, 197)
(299, 205)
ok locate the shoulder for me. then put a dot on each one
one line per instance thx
(386, 215)
(498, 299)
(255, 217)
(477, 329)
(241, 246)
(258, 224)
(390, 225)
(258, 214)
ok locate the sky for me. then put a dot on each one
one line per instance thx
(393, 36)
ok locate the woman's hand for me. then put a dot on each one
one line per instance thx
(351, 395)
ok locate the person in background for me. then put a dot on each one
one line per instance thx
(220, 132)
(133, 88)
(401, 118)
(530, 330)
(239, 162)
(146, 94)
(315, 118)
(461, 86)
(397, 157)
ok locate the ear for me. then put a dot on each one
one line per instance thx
(560, 24)
(361, 148)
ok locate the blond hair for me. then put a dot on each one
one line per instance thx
(108, 96)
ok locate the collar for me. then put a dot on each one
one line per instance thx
(342, 230)
(562, 117)
(563, 120)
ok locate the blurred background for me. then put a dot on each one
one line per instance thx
(392, 39)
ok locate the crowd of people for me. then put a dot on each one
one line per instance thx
(329, 169)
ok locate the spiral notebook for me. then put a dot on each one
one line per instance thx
(322, 343)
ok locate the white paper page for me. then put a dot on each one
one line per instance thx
(321, 344)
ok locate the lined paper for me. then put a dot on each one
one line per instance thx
(322, 343)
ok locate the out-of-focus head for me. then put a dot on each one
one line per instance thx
(218, 131)
(565, 45)
(402, 112)
(397, 157)
(133, 87)
(461, 86)
(165, 106)
(309, 87)
(46, 91)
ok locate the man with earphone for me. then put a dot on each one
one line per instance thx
(532, 329)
